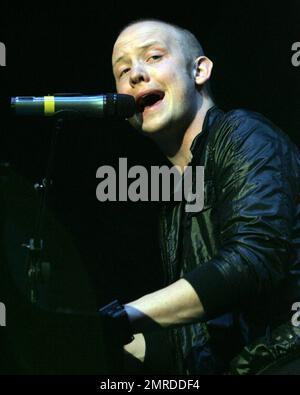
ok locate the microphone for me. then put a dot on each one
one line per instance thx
(99, 106)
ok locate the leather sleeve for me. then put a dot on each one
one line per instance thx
(256, 177)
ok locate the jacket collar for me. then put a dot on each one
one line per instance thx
(210, 117)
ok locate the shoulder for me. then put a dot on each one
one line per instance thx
(246, 137)
(240, 125)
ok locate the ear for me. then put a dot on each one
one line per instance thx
(202, 70)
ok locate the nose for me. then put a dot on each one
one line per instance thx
(138, 74)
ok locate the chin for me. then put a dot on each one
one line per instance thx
(150, 125)
(144, 128)
(151, 130)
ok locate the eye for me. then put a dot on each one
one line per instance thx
(124, 71)
(154, 58)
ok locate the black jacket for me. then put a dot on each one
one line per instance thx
(241, 252)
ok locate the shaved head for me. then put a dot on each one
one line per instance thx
(188, 42)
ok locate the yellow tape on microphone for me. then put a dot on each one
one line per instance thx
(49, 105)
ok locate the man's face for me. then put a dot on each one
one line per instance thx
(149, 64)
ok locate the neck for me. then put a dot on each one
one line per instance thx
(176, 146)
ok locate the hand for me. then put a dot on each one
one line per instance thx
(137, 348)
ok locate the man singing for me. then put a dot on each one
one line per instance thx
(232, 269)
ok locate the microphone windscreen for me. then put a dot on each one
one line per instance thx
(126, 106)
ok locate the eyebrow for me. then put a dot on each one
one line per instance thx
(144, 46)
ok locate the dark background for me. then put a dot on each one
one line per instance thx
(66, 47)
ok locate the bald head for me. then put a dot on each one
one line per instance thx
(186, 40)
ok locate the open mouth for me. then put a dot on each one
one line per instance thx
(149, 100)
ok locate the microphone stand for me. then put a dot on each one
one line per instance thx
(51, 329)
(38, 270)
